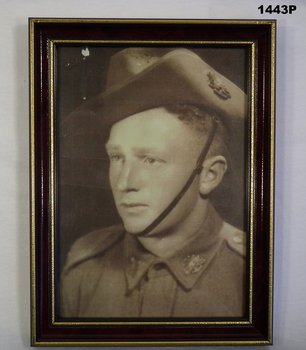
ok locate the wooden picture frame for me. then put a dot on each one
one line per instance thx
(69, 62)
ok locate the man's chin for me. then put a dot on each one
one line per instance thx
(137, 227)
(138, 230)
(133, 228)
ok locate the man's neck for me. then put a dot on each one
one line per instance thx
(165, 245)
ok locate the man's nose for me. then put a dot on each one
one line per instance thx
(128, 179)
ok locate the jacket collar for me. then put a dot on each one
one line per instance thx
(186, 265)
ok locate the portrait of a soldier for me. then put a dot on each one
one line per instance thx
(168, 115)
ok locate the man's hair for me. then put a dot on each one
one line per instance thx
(199, 119)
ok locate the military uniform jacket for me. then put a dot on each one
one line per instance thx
(110, 274)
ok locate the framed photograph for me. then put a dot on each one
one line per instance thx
(152, 168)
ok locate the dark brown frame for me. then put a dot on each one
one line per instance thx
(259, 37)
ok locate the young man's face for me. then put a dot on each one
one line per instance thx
(152, 154)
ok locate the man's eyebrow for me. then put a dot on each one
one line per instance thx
(110, 146)
(144, 149)
(153, 151)
(138, 150)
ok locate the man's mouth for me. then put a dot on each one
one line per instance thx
(132, 205)
(133, 208)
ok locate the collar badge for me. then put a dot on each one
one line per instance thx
(193, 264)
(219, 89)
(132, 265)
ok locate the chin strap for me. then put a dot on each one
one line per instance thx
(198, 169)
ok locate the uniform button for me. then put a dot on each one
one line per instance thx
(132, 259)
(159, 266)
(237, 239)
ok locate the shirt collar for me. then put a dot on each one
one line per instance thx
(186, 265)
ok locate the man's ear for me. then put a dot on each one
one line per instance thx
(212, 174)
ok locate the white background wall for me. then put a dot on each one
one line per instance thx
(290, 185)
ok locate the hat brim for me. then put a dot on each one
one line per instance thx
(178, 77)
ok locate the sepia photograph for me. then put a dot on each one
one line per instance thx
(152, 181)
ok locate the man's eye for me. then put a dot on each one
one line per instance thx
(114, 158)
(152, 160)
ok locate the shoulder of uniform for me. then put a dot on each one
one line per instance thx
(92, 244)
(235, 238)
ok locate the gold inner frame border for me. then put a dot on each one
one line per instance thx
(52, 47)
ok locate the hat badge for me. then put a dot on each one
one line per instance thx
(193, 264)
(219, 89)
